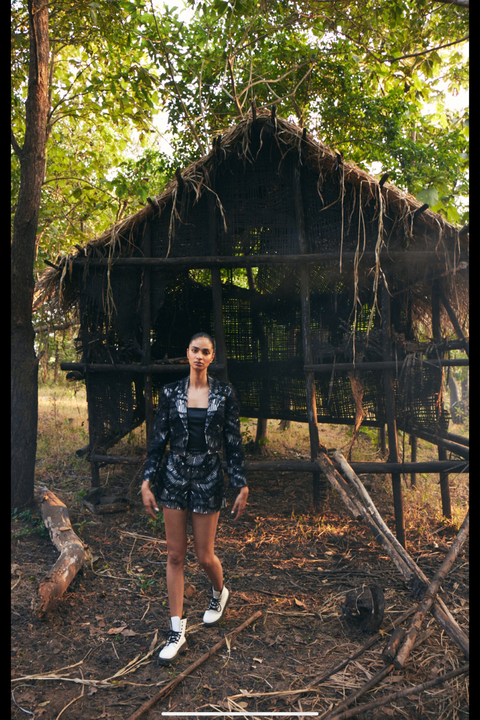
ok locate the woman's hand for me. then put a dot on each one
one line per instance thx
(240, 502)
(149, 502)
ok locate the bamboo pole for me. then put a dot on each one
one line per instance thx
(372, 518)
(429, 597)
(165, 691)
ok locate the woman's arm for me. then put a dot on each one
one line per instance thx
(158, 440)
(232, 438)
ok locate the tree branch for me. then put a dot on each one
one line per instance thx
(16, 147)
(460, 3)
(172, 75)
(234, 89)
(425, 52)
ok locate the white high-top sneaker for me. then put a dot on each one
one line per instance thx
(216, 609)
(176, 642)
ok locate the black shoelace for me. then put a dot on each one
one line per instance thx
(214, 605)
(173, 637)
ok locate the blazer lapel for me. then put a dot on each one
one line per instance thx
(181, 403)
(214, 400)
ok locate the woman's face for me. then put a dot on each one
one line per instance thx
(200, 353)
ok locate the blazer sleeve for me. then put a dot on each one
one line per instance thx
(232, 440)
(158, 440)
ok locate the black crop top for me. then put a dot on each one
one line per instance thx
(196, 429)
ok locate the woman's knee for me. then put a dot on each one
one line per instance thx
(176, 558)
(206, 560)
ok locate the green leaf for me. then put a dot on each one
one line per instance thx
(428, 195)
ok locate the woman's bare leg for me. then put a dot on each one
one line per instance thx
(176, 534)
(204, 531)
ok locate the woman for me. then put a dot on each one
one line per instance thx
(196, 414)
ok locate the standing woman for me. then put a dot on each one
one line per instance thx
(197, 414)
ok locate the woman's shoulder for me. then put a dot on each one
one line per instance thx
(221, 387)
(174, 388)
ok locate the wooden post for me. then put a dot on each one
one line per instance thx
(306, 334)
(414, 445)
(388, 383)
(146, 328)
(382, 440)
(219, 330)
(442, 452)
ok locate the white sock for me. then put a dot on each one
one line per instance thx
(217, 593)
(175, 623)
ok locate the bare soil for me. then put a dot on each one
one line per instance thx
(95, 655)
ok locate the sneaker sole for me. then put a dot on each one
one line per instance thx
(172, 661)
(212, 624)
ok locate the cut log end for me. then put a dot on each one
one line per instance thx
(72, 553)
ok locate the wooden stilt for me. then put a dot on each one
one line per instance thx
(413, 445)
(218, 328)
(146, 330)
(442, 452)
(388, 382)
(306, 337)
(258, 332)
(382, 439)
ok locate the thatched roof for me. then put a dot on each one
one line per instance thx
(421, 228)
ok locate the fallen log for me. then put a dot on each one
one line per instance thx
(167, 689)
(413, 575)
(429, 597)
(72, 553)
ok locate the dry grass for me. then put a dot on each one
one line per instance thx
(63, 429)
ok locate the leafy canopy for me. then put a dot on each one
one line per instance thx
(367, 77)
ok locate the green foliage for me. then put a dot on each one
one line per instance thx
(30, 523)
(369, 78)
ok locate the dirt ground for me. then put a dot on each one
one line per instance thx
(95, 655)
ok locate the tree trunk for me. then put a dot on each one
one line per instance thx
(24, 374)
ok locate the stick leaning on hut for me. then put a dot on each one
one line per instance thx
(360, 504)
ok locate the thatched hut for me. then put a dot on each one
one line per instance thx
(325, 288)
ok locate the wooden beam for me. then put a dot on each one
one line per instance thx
(300, 466)
(129, 368)
(412, 257)
(272, 366)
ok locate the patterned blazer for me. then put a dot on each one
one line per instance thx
(222, 426)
